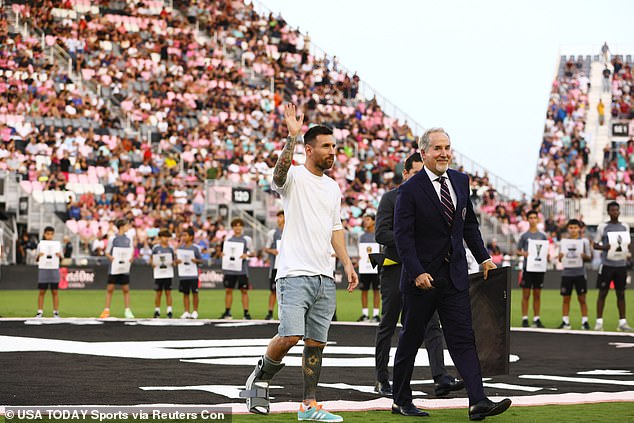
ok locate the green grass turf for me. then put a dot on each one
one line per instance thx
(618, 412)
(90, 303)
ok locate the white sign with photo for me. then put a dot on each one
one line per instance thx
(572, 250)
(619, 245)
(121, 260)
(163, 267)
(365, 249)
(50, 259)
(537, 259)
(231, 255)
(186, 268)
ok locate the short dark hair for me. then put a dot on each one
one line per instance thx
(532, 212)
(121, 222)
(190, 231)
(311, 135)
(165, 232)
(409, 162)
(280, 213)
(613, 203)
(49, 229)
(237, 221)
(574, 222)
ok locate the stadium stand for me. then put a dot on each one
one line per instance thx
(139, 110)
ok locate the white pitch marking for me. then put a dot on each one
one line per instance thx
(229, 391)
(59, 321)
(607, 372)
(579, 379)
(511, 387)
(359, 388)
(241, 324)
(166, 322)
(422, 382)
(622, 344)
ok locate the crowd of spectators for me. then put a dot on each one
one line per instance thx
(197, 79)
(563, 155)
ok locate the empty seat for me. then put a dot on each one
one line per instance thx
(49, 196)
(61, 197)
(26, 186)
(38, 196)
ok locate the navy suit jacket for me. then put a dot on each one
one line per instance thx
(423, 236)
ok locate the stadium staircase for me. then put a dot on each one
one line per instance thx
(599, 135)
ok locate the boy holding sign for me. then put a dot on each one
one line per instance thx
(368, 276)
(533, 245)
(119, 251)
(574, 251)
(49, 254)
(613, 239)
(189, 256)
(235, 253)
(163, 270)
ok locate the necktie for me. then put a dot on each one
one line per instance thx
(445, 200)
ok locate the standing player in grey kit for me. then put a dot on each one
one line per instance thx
(305, 287)
(611, 270)
(273, 237)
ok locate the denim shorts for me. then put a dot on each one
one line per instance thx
(306, 305)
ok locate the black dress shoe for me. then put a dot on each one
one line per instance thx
(447, 385)
(486, 407)
(409, 410)
(383, 388)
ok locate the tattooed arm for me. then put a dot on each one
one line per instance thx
(294, 126)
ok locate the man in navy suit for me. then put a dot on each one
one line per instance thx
(433, 215)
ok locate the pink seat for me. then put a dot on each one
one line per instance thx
(81, 225)
(26, 186)
(102, 172)
(37, 186)
(71, 224)
(72, 178)
(94, 227)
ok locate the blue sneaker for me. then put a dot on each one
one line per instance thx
(315, 413)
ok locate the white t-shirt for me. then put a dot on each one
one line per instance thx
(312, 212)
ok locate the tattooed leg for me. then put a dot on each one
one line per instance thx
(311, 367)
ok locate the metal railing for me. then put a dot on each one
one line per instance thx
(591, 210)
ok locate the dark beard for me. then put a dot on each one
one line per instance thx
(324, 166)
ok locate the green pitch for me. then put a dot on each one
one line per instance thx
(90, 303)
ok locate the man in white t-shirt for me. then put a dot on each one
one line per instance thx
(305, 285)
